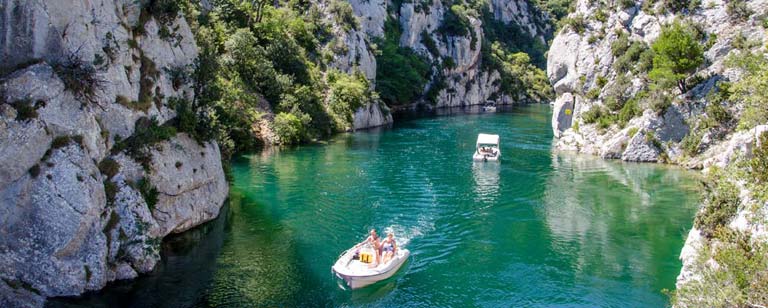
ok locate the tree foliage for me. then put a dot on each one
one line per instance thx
(401, 73)
(677, 54)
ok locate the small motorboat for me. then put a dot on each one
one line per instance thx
(489, 106)
(355, 266)
(487, 148)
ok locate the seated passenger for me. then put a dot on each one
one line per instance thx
(388, 247)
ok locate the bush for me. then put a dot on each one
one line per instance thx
(577, 23)
(738, 10)
(344, 15)
(455, 22)
(628, 112)
(146, 132)
(751, 89)
(721, 201)
(110, 191)
(25, 110)
(592, 94)
(758, 165)
(401, 73)
(79, 77)
(347, 94)
(289, 128)
(428, 42)
(148, 192)
(593, 114)
(109, 167)
(621, 44)
(676, 55)
(690, 144)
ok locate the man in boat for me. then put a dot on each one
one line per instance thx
(373, 239)
(388, 247)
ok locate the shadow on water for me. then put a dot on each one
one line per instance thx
(180, 277)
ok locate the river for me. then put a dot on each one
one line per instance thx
(540, 229)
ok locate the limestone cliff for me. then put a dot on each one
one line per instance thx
(598, 64)
(78, 208)
(467, 81)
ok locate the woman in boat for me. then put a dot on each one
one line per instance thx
(388, 247)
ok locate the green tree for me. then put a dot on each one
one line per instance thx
(677, 54)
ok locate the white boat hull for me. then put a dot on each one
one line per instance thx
(357, 274)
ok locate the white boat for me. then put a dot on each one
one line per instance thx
(487, 148)
(489, 106)
(357, 272)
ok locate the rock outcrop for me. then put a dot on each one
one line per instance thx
(580, 63)
(586, 74)
(77, 212)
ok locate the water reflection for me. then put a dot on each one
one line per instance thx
(589, 201)
(486, 177)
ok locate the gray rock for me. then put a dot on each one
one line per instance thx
(372, 115)
(190, 182)
(641, 149)
(563, 113)
(52, 226)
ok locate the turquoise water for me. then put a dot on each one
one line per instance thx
(540, 229)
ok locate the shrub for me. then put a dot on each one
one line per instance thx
(751, 89)
(428, 42)
(347, 94)
(716, 112)
(631, 56)
(289, 128)
(344, 15)
(628, 112)
(60, 142)
(601, 81)
(625, 4)
(455, 22)
(109, 167)
(110, 191)
(79, 77)
(146, 132)
(621, 44)
(738, 10)
(758, 165)
(25, 110)
(401, 73)
(676, 55)
(593, 114)
(592, 94)
(577, 23)
(148, 192)
(632, 131)
(721, 201)
(690, 144)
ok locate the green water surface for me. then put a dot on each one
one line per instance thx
(540, 229)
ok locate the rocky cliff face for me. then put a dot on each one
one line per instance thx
(588, 75)
(465, 82)
(580, 63)
(78, 209)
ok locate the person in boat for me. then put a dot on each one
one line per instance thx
(388, 247)
(374, 240)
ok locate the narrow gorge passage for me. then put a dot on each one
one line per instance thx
(540, 228)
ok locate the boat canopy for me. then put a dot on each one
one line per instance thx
(486, 139)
